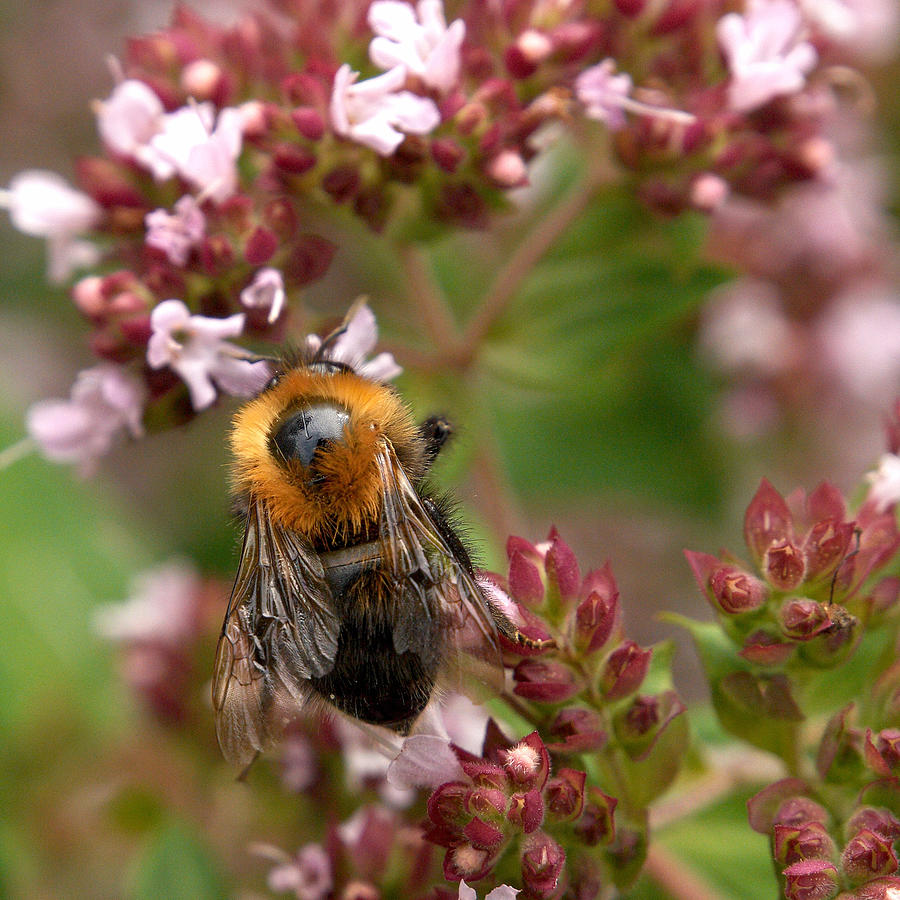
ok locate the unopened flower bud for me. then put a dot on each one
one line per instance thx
(526, 811)
(89, 297)
(826, 546)
(597, 823)
(202, 79)
(470, 117)
(784, 565)
(309, 122)
(811, 879)
(735, 591)
(542, 864)
(360, 890)
(881, 821)
(447, 805)
(525, 582)
(792, 843)
(708, 192)
(630, 8)
(254, 119)
(260, 246)
(595, 620)
(625, 670)
(562, 570)
(531, 48)
(545, 680)
(507, 169)
(868, 855)
(293, 159)
(802, 619)
(564, 794)
(581, 730)
(767, 520)
(482, 834)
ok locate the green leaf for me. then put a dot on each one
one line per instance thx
(177, 865)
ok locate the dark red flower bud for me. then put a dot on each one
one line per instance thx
(447, 805)
(825, 547)
(868, 855)
(309, 122)
(293, 159)
(486, 803)
(309, 260)
(767, 520)
(482, 834)
(811, 879)
(547, 681)
(596, 618)
(802, 619)
(279, 215)
(447, 153)
(573, 41)
(260, 247)
(783, 802)
(764, 649)
(216, 254)
(826, 502)
(562, 568)
(581, 731)
(630, 8)
(784, 565)
(542, 864)
(525, 583)
(624, 670)
(342, 183)
(883, 753)
(735, 591)
(597, 822)
(526, 811)
(107, 183)
(564, 794)
(881, 821)
(792, 843)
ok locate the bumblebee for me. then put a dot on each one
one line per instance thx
(353, 589)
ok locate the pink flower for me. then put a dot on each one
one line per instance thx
(266, 291)
(162, 608)
(605, 97)
(189, 145)
(376, 113)
(105, 401)
(885, 489)
(308, 873)
(176, 233)
(765, 53)
(418, 40)
(43, 204)
(195, 348)
(356, 343)
(129, 119)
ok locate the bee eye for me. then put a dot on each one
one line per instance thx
(307, 429)
(273, 381)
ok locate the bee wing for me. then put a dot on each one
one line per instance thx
(280, 630)
(420, 558)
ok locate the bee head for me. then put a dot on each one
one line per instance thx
(308, 431)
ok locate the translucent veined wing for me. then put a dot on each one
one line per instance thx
(280, 630)
(430, 572)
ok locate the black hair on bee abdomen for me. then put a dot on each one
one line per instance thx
(370, 681)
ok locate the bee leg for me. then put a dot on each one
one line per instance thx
(509, 630)
(435, 432)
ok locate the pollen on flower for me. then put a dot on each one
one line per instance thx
(468, 859)
(522, 761)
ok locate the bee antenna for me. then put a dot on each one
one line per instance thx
(329, 340)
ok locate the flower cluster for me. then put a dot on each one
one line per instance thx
(584, 691)
(821, 855)
(218, 143)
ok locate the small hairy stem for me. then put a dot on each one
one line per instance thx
(427, 299)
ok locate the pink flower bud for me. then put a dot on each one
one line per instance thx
(88, 296)
(564, 794)
(527, 53)
(825, 547)
(597, 823)
(562, 567)
(881, 821)
(202, 79)
(309, 122)
(293, 159)
(766, 521)
(792, 843)
(868, 855)
(811, 879)
(783, 802)
(581, 731)
(596, 618)
(547, 681)
(735, 591)
(447, 153)
(784, 565)
(883, 754)
(625, 670)
(525, 582)
(507, 169)
(526, 811)
(802, 619)
(482, 834)
(260, 246)
(542, 864)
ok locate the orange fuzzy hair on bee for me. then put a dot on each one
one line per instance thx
(346, 497)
